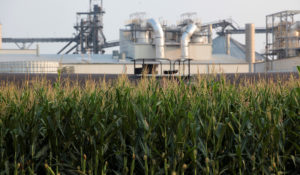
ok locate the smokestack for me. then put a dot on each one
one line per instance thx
(227, 44)
(38, 50)
(250, 46)
(0, 36)
(210, 33)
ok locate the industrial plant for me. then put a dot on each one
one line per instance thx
(188, 47)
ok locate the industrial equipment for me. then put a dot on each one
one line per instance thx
(89, 37)
(149, 38)
(282, 36)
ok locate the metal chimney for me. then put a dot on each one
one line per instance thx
(210, 28)
(0, 36)
(227, 36)
(250, 46)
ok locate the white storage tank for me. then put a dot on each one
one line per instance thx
(47, 67)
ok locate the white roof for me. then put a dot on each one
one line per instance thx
(64, 59)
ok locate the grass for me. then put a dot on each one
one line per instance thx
(152, 127)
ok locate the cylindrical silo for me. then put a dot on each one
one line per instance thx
(250, 46)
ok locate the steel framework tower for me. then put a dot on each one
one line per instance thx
(89, 35)
(89, 29)
(280, 41)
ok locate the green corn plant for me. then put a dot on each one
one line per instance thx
(49, 170)
(132, 164)
(207, 125)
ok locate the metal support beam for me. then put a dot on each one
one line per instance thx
(59, 52)
(70, 50)
(35, 40)
(243, 31)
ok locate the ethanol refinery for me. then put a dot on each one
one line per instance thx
(185, 48)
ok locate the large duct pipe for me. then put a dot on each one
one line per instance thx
(159, 38)
(250, 46)
(185, 39)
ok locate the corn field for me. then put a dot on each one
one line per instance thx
(150, 127)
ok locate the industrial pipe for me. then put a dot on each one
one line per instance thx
(185, 39)
(159, 38)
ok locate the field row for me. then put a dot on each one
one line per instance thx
(150, 127)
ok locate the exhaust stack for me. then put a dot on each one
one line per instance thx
(0, 36)
(250, 46)
(227, 36)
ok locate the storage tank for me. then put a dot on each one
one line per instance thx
(46, 67)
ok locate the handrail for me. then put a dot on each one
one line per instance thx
(160, 61)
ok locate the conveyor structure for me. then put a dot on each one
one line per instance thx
(89, 36)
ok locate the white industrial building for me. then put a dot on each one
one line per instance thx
(187, 47)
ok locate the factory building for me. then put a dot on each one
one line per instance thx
(188, 47)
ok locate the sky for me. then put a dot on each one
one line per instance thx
(56, 18)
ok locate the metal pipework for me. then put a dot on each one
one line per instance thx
(159, 38)
(185, 39)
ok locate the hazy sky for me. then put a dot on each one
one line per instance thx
(55, 18)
